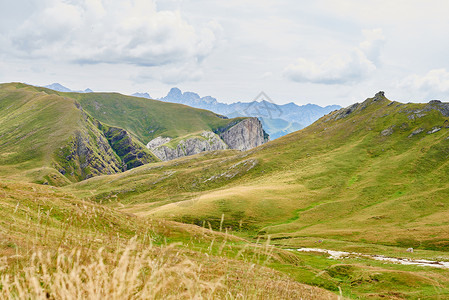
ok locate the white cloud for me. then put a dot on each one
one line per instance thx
(265, 36)
(400, 12)
(100, 31)
(170, 74)
(434, 82)
(373, 44)
(339, 69)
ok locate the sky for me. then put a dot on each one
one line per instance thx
(322, 52)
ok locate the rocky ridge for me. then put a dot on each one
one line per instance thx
(130, 151)
(346, 111)
(98, 149)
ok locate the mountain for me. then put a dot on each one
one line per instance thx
(369, 160)
(184, 130)
(370, 178)
(49, 138)
(58, 137)
(358, 165)
(142, 95)
(60, 88)
(283, 119)
(346, 205)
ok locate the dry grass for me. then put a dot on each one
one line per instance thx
(146, 272)
(40, 225)
(151, 273)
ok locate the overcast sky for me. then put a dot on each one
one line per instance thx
(322, 51)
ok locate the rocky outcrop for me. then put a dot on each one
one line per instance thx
(159, 141)
(240, 135)
(388, 131)
(442, 107)
(415, 132)
(132, 153)
(206, 141)
(245, 135)
(97, 149)
(344, 112)
(87, 154)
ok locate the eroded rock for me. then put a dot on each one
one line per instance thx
(240, 135)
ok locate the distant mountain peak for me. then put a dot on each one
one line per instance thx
(189, 98)
(278, 119)
(57, 87)
(174, 93)
(142, 95)
(60, 88)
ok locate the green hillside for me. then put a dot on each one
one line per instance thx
(359, 170)
(147, 119)
(57, 138)
(48, 138)
(371, 178)
(32, 126)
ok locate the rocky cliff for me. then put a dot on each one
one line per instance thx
(98, 149)
(245, 135)
(87, 154)
(206, 141)
(240, 135)
(131, 152)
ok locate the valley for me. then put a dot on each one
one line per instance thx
(370, 179)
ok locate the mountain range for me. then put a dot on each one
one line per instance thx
(278, 120)
(60, 88)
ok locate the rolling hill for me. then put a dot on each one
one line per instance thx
(358, 166)
(369, 179)
(56, 137)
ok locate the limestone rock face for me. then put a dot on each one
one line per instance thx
(242, 135)
(206, 141)
(159, 141)
(245, 135)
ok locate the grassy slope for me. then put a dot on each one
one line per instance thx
(39, 129)
(38, 123)
(340, 181)
(32, 125)
(36, 218)
(315, 181)
(42, 218)
(147, 119)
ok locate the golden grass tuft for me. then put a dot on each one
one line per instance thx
(148, 273)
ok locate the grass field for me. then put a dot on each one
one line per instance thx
(55, 245)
